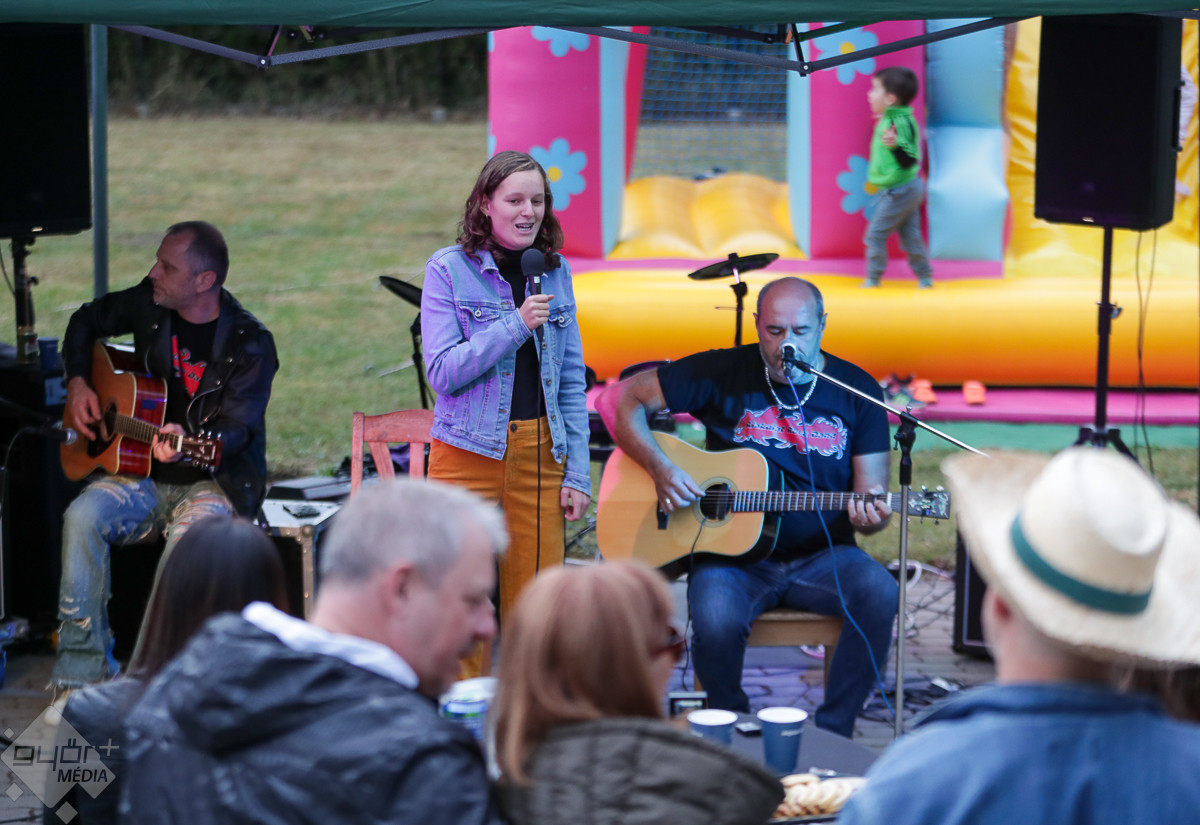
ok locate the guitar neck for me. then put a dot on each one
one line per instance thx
(749, 501)
(143, 431)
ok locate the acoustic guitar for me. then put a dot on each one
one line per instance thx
(133, 407)
(737, 515)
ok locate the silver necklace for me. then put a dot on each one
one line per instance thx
(812, 385)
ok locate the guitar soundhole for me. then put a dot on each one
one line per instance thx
(108, 423)
(714, 506)
(104, 429)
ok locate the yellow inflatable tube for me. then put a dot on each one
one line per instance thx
(1035, 331)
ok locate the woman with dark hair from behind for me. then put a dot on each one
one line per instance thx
(220, 565)
(580, 734)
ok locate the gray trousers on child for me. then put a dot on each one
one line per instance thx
(899, 211)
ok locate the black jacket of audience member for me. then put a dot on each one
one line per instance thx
(97, 714)
(241, 728)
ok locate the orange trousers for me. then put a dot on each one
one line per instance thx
(512, 482)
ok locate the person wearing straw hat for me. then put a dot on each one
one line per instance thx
(1091, 570)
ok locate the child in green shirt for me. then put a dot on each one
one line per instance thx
(893, 168)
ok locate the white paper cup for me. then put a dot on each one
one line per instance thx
(713, 724)
(781, 731)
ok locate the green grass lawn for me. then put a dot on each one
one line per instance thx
(314, 213)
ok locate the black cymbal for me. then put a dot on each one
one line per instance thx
(403, 289)
(725, 268)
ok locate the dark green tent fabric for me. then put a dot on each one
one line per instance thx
(504, 13)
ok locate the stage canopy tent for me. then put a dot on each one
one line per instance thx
(322, 21)
(505, 13)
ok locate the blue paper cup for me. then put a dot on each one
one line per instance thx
(713, 724)
(781, 731)
(48, 350)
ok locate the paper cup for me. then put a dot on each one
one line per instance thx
(713, 724)
(467, 702)
(781, 731)
(48, 350)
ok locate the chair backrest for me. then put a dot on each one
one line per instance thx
(378, 431)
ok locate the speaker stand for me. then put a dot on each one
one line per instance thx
(27, 343)
(1099, 434)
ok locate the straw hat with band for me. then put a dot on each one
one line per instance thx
(1088, 548)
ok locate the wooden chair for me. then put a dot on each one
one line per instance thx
(785, 627)
(376, 432)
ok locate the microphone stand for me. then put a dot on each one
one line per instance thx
(906, 436)
(533, 267)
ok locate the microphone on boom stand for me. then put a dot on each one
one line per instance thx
(791, 355)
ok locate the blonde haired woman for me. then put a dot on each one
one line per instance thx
(580, 733)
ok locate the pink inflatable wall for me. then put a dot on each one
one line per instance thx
(571, 101)
(829, 132)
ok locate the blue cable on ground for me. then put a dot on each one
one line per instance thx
(829, 539)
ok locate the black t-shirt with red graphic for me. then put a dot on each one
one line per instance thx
(727, 391)
(191, 351)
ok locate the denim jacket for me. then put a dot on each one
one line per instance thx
(471, 329)
(1037, 754)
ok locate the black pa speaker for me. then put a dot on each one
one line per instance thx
(1108, 120)
(45, 171)
(968, 603)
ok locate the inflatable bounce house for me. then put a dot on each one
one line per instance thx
(1015, 298)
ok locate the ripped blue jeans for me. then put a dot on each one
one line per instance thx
(113, 511)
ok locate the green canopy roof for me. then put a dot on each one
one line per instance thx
(505, 13)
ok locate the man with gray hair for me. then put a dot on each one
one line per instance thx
(266, 718)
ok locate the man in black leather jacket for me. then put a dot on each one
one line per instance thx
(217, 361)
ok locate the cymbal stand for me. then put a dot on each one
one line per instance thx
(419, 362)
(739, 292)
(906, 436)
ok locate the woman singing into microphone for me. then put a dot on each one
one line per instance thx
(510, 421)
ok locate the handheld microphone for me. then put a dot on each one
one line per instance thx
(55, 432)
(533, 265)
(791, 355)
